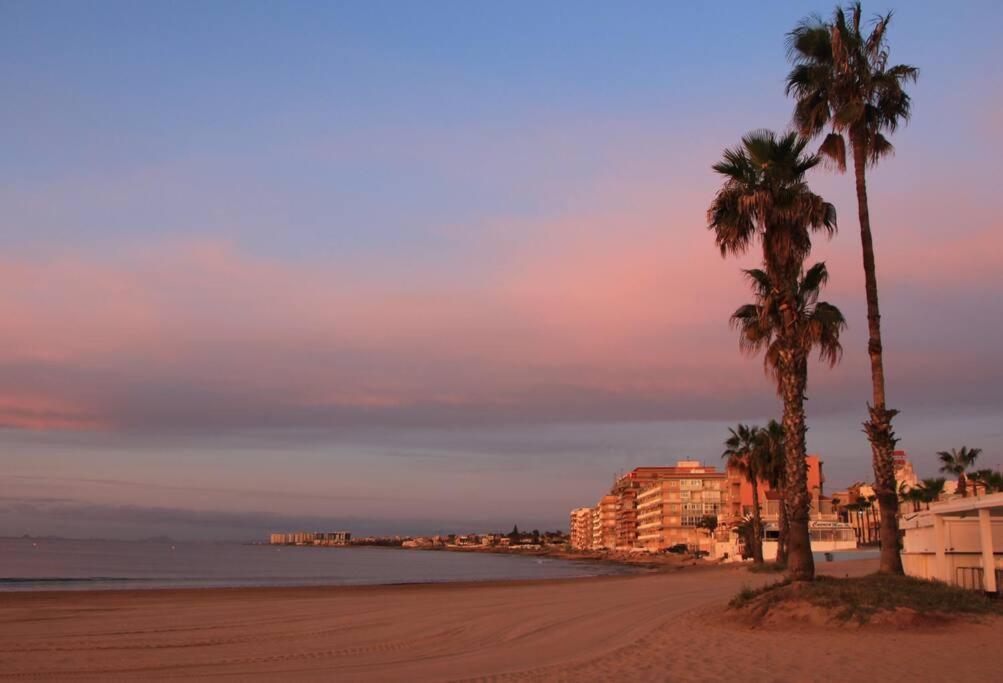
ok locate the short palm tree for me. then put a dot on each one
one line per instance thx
(843, 85)
(932, 488)
(764, 198)
(957, 462)
(770, 457)
(740, 454)
(990, 480)
(911, 494)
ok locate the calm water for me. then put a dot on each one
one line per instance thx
(92, 565)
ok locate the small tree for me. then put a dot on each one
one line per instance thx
(746, 534)
(514, 536)
(708, 522)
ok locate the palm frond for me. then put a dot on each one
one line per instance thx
(833, 148)
(841, 82)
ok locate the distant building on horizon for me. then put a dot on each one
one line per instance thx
(322, 538)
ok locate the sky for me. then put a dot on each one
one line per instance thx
(416, 267)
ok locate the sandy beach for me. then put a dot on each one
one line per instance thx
(656, 627)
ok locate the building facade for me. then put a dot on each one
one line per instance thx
(671, 509)
(604, 523)
(629, 486)
(581, 528)
(699, 506)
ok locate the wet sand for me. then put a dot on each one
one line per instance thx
(656, 627)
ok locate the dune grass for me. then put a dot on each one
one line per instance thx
(861, 597)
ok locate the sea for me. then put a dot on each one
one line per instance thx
(32, 564)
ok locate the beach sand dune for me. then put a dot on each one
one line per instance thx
(662, 627)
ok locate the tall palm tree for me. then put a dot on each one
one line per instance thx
(740, 453)
(956, 462)
(764, 198)
(843, 84)
(770, 456)
(787, 333)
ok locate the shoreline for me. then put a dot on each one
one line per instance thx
(174, 591)
(603, 566)
(630, 572)
(581, 630)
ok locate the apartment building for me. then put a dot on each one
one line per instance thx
(581, 528)
(626, 490)
(604, 522)
(669, 509)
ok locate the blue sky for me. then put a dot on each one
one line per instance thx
(454, 251)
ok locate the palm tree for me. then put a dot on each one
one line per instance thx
(765, 198)
(932, 489)
(843, 84)
(739, 452)
(857, 508)
(770, 456)
(872, 517)
(787, 334)
(956, 462)
(911, 494)
(991, 480)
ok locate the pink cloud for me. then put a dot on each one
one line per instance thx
(26, 411)
(623, 302)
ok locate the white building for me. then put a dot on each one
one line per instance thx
(956, 541)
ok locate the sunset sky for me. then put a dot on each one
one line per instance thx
(407, 267)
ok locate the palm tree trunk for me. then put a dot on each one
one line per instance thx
(879, 426)
(963, 484)
(782, 529)
(757, 520)
(800, 564)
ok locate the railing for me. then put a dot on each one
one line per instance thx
(973, 578)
